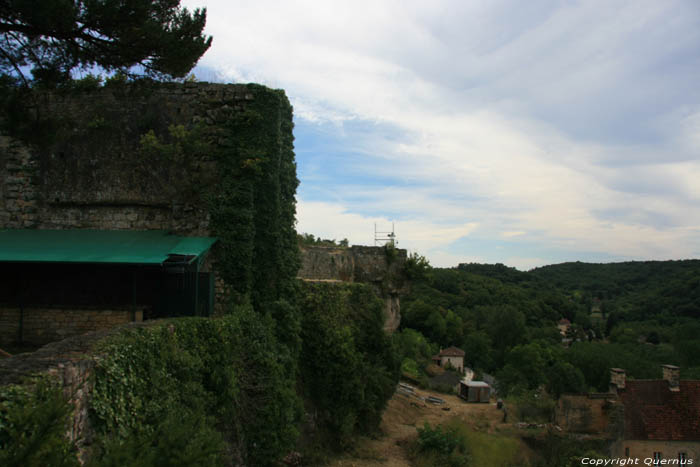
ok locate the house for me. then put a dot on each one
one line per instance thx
(563, 325)
(451, 356)
(661, 417)
(644, 419)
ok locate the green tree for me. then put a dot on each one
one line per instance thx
(52, 38)
(477, 349)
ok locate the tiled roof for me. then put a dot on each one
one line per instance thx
(452, 352)
(653, 412)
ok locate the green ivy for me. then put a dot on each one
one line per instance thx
(224, 374)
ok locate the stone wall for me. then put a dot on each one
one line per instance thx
(585, 413)
(91, 171)
(381, 267)
(92, 174)
(40, 326)
(71, 361)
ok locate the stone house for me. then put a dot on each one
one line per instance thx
(661, 417)
(643, 419)
(451, 356)
(563, 325)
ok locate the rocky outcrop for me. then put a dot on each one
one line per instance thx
(381, 267)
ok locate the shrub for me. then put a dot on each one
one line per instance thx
(441, 446)
(33, 425)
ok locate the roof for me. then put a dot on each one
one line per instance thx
(653, 412)
(452, 352)
(476, 384)
(564, 321)
(98, 246)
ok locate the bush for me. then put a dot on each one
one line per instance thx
(534, 406)
(440, 446)
(33, 427)
(348, 365)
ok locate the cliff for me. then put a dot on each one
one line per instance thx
(380, 267)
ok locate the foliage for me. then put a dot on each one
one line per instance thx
(417, 267)
(252, 203)
(443, 446)
(533, 406)
(222, 373)
(411, 344)
(33, 421)
(53, 38)
(561, 450)
(180, 439)
(305, 239)
(348, 365)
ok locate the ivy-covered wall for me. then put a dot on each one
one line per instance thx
(194, 158)
(238, 389)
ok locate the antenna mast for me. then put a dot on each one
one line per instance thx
(384, 238)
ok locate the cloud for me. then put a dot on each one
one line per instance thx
(571, 126)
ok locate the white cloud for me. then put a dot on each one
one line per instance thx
(572, 125)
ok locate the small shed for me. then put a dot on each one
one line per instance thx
(475, 391)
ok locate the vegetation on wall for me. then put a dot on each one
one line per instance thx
(252, 206)
(348, 367)
(216, 386)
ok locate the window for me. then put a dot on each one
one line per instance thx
(627, 452)
(657, 457)
(682, 456)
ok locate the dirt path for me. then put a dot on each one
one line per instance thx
(403, 414)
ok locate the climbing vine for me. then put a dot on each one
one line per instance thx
(216, 379)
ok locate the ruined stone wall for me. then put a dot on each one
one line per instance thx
(43, 325)
(381, 267)
(585, 413)
(92, 174)
(71, 361)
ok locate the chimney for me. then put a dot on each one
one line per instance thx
(617, 379)
(672, 374)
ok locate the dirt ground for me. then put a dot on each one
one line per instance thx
(403, 414)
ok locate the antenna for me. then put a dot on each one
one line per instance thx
(384, 238)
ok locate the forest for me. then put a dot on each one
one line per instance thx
(631, 315)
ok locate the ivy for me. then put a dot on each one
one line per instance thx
(223, 376)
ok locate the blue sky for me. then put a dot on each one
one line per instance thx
(526, 133)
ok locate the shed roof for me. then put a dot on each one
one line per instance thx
(98, 246)
(476, 384)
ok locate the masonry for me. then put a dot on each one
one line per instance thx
(381, 267)
(135, 157)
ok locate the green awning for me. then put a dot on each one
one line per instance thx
(98, 246)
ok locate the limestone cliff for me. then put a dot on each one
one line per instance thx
(381, 267)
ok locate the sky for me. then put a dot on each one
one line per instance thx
(496, 131)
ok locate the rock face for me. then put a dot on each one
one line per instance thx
(381, 267)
